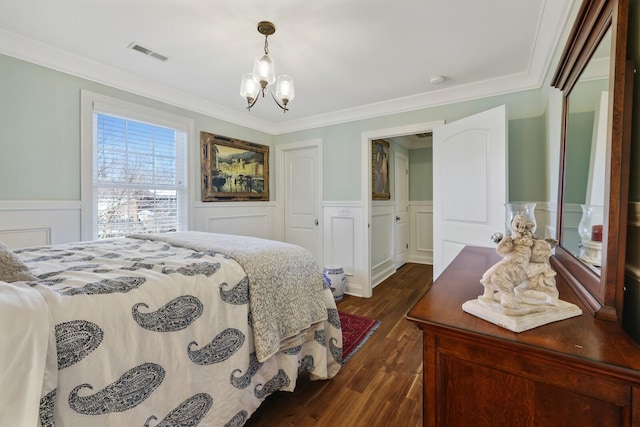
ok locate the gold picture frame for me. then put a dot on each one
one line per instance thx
(380, 170)
(232, 169)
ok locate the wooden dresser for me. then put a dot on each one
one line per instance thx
(576, 372)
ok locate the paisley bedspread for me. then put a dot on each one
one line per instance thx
(282, 310)
(147, 333)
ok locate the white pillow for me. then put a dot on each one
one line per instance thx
(12, 269)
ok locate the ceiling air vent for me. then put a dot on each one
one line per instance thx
(424, 135)
(149, 52)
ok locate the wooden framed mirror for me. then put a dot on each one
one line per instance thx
(594, 160)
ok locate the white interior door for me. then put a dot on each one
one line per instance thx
(469, 183)
(302, 198)
(401, 175)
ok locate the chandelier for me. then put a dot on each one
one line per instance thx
(264, 76)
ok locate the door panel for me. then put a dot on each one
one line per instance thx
(469, 183)
(302, 199)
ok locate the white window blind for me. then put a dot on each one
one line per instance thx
(139, 176)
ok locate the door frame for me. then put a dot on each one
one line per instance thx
(365, 184)
(397, 156)
(281, 149)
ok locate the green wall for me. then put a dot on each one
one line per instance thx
(39, 133)
(421, 175)
(579, 136)
(528, 169)
(40, 130)
(40, 136)
(342, 142)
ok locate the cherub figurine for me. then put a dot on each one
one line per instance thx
(503, 277)
(540, 286)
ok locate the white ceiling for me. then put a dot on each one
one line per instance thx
(350, 59)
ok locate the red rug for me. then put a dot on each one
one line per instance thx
(356, 330)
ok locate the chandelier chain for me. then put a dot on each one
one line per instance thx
(266, 45)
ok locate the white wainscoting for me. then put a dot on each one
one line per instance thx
(421, 243)
(572, 215)
(343, 243)
(37, 223)
(546, 218)
(240, 218)
(382, 241)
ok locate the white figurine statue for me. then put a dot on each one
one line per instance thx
(502, 278)
(540, 287)
(523, 279)
(520, 290)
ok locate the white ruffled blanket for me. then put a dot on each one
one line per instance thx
(24, 342)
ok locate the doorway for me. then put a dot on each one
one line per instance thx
(397, 135)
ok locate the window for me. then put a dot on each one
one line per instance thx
(138, 169)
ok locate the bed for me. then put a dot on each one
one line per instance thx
(175, 329)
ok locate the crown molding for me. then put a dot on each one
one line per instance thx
(29, 50)
(552, 31)
(552, 23)
(460, 93)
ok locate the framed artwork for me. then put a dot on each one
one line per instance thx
(380, 169)
(233, 170)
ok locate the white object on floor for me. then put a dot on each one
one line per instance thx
(335, 278)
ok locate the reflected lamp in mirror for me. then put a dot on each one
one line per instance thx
(590, 231)
(524, 209)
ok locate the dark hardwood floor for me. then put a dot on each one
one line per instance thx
(381, 385)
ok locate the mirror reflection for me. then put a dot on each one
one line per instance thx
(585, 160)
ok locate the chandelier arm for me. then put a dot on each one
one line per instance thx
(251, 104)
(284, 107)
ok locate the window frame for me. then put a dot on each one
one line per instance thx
(92, 103)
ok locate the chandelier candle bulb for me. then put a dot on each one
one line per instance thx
(263, 71)
(284, 89)
(249, 88)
